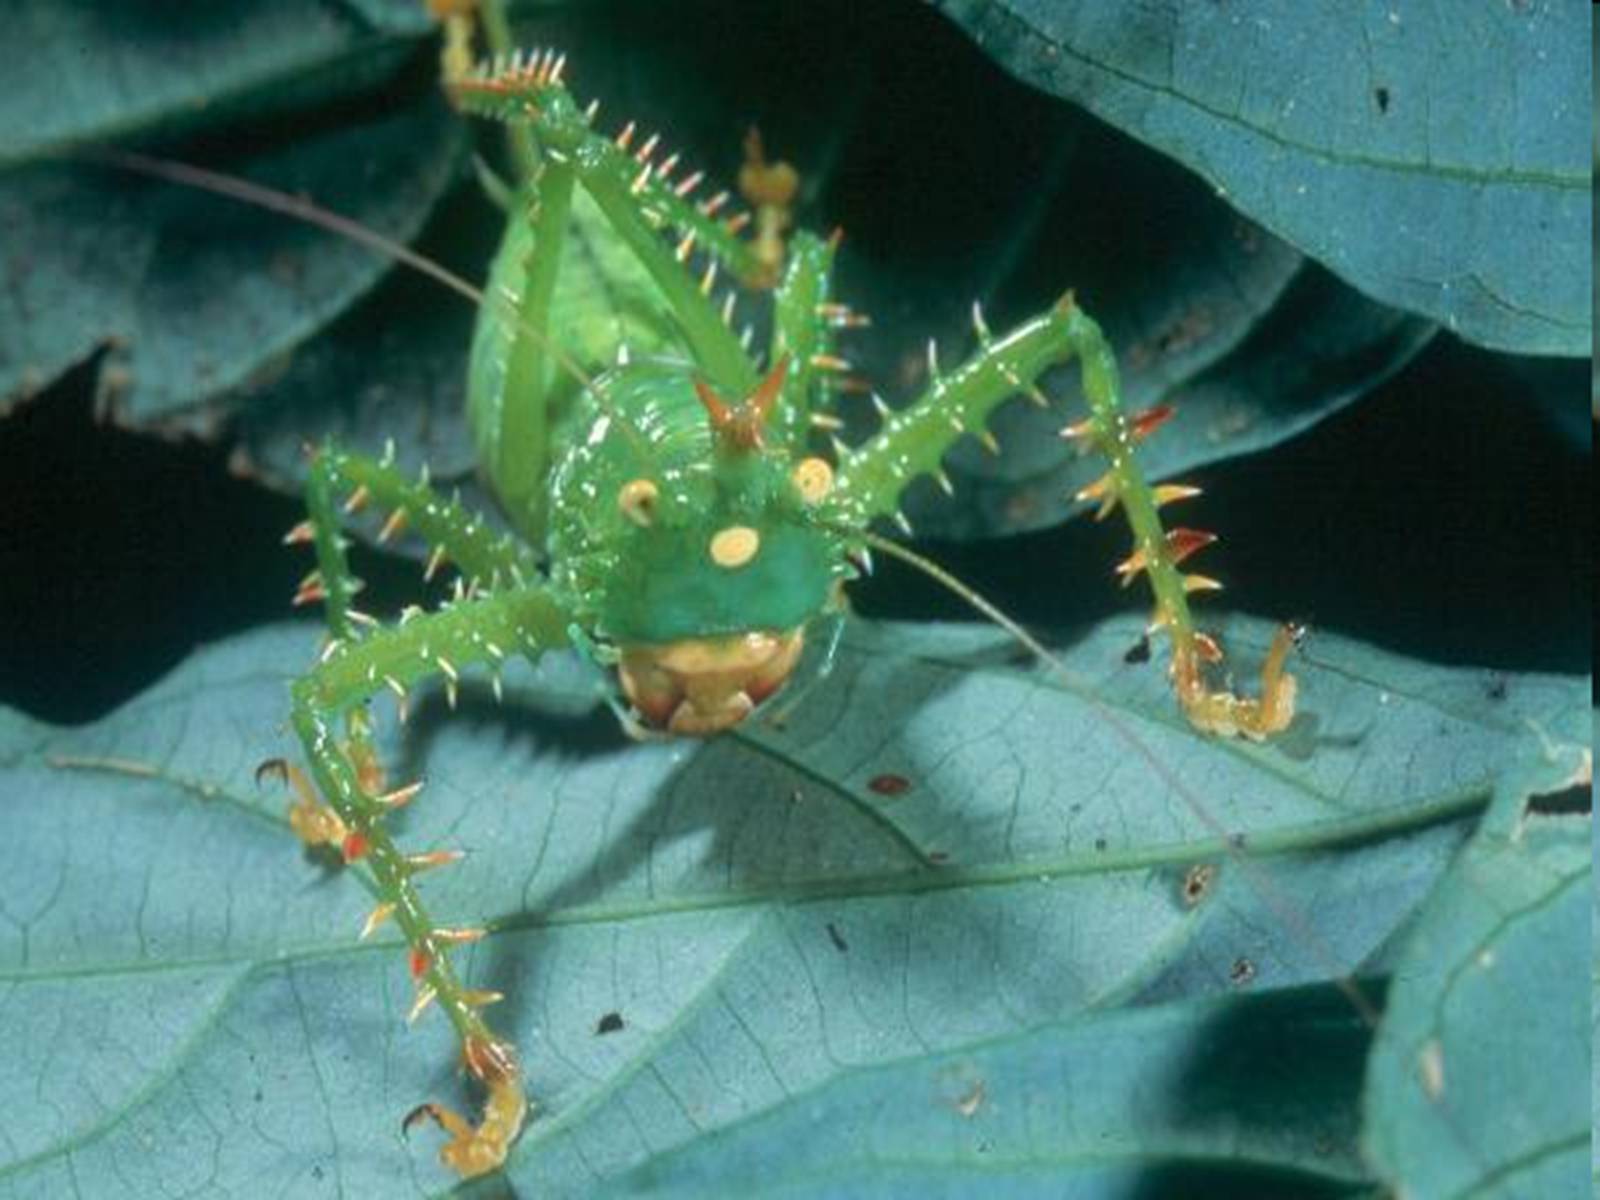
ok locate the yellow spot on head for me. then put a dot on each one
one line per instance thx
(637, 500)
(734, 546)
(814, 478)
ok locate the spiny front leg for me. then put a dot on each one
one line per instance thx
(487, 560)
(873, 477)
(482, 631)
(341, 483)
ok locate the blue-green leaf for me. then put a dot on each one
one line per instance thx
(1437, 157)
(194, 297)
(1479, 1079)
(770, 916)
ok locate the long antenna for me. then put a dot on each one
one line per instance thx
(311, 213)
(1282, 907)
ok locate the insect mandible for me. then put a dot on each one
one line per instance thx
(676, 522)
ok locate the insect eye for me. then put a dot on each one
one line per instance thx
(637, 500)
(814, 478)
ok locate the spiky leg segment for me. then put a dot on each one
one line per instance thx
(872, 478)
(633, 184)
(1159, 551)
(343, 484)
(349, 813)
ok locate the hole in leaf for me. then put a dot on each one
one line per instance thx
(1568, 802)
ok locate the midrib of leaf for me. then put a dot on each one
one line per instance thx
(1291, 840)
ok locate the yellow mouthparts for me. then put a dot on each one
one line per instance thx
(696, 687)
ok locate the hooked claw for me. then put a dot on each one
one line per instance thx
(477, 1150)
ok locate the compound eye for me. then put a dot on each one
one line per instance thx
(637, 500)
(814, 478)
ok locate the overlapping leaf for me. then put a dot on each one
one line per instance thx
(942, 863)
(1436, 158)
(1487, 1003)
(198, 297)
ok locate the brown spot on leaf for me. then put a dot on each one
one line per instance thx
(1197, 881)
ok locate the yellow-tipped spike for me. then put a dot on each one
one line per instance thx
(1201, 583)
(435, 560)
(830, 362)
(425, 996)
(431, 859)
(1079, 430)
(1166, 493)
(299, 535)
(400, 797)
(461, 936)
(1097, 489)
(397, 521)
(1132, 565)
(1104, 490)
(481, 997)
(358, 499)
(375, 918)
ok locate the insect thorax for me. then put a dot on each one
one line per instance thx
(658, 533)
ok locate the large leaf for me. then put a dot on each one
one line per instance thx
(1435, 157)
(198, 297)
(1488, 1003)
(941, 853)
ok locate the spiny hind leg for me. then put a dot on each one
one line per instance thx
(481, 631)
(873, 477)
(1158, 552)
